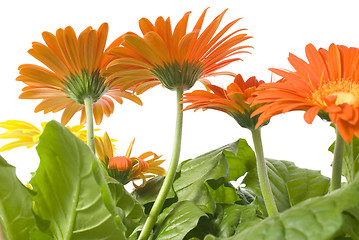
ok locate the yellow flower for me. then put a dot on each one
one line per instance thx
(27, 135)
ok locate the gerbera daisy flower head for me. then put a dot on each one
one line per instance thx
(27, 135)
(72, 72)
(177, 58)
(235, 100)
(126, 168)
(326, 85)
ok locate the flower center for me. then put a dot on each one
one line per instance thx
(78, 87)
(174, 75)
(346, 91)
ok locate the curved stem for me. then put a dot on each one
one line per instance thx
(262, 174)
(157, 206)
(89, 124)
(337, 165)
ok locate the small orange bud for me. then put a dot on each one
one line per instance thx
(121, 163)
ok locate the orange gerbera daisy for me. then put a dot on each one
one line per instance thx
(328, 86)
(235, 100)
(176, 59)
(126, 168)
(73, 73)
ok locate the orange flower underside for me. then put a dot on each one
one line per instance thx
(328, 83)
(175, 59)
(235, 99)
(72, 61)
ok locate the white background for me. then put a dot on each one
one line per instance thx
(278, 27)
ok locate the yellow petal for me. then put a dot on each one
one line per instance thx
(108, 150)
(16, 124)
(129, 149)
(16, 144)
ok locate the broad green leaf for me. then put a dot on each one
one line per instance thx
(290, 184)
(36, 234)
(72, 193)
(132, 209)
(231, 218)
(226, 193)
(176, 221)
(318, 218)
(149, 192)
(228, 219)
(351, 223)
(124, 200)
(350, 160)
(16, 216)
(243, 161)
(211, 167)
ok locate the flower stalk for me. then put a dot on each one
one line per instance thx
(1, 233)
(263, 174)
(90, 128)
(157, 206)
(337, 165)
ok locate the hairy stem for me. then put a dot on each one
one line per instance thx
(337, 165)
(167, 184)
(262, 174)
(90, 129)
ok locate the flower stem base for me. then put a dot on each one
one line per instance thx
(262, 174)
(90, 128)
(337, 165)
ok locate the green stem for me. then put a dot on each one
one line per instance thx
(337, 163)
(1, 233)
(90, 128)
(262, 174)
(162, 195)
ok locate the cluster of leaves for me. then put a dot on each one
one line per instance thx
(73, 198)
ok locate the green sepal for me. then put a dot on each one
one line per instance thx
(87, 85)
(246, 121)
(175, 76)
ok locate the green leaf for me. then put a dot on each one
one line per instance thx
(226, 193)
(149, 192)
(350, 160)
(212, 167)
(36, 234)
(242, 162)
(16, 216)
(290, 184)
(132, 209)
(351, 223)
(231, 218)
(72, 193)
(176, 221)
(314, 219)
